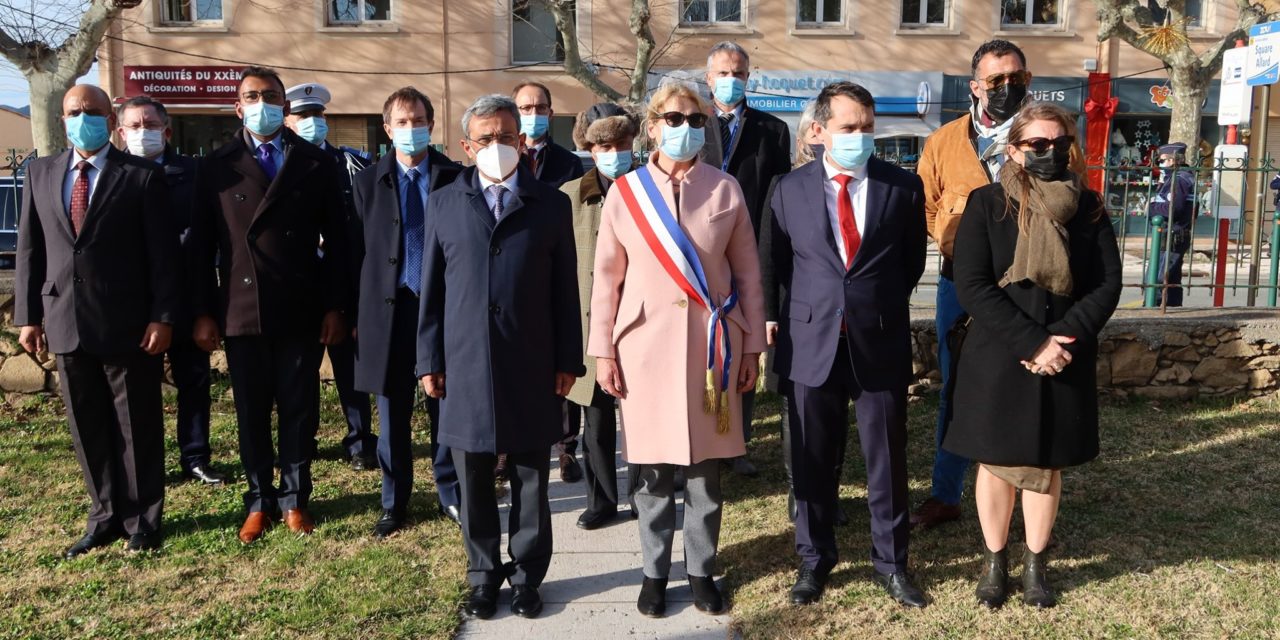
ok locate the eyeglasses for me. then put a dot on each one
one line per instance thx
(270, 95)
(1061, 144)
(675, 119)
(540, 108)
(507, 139)
(998, 80)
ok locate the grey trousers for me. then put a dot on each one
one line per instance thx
(528, 522)
(656, 501)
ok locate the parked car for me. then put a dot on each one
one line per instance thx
(10, 207)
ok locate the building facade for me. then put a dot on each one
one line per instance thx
(913, 55)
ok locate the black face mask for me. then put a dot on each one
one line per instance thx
(1004, 101)
(1048, 165)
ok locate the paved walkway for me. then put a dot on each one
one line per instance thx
(591, 589)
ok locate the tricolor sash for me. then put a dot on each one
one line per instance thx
(679, 259)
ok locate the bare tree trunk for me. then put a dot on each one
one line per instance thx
(1189, 87)
(639, 24)
(566, 24)
(47, 133)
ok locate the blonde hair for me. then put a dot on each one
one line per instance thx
(1017, 183)
(804, 153)
(673, 90)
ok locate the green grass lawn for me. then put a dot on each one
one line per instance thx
(1172, 533)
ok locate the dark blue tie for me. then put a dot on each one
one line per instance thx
(413, 215)
(266, 160)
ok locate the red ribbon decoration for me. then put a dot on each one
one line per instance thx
(1099, 108)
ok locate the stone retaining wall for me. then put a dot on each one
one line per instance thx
(1180, 355)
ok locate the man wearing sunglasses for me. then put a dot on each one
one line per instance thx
(263, 202)
(1175, 200)
(755, 148)
(959, 157)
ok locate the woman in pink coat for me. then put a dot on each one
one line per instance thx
(677, 326)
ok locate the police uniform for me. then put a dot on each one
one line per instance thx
(1174, 199)
(360, 444)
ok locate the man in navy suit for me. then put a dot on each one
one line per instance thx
(391, 204)
(848, 243)
(500, 320)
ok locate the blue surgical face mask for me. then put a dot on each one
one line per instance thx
(314, 129)
(535, 126)
(851, 150)
(263, 118)
(683, 142)
(729, 90)
(411, 140)
(613, 163)
(88, 132)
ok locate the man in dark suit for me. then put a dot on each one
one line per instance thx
(500, 318)
(265, 200)
(755, 149)
(391, 205)
(97, 284)
(848, 244)
(306, 118)
(144, 127)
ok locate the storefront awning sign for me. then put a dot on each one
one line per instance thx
(183, 84)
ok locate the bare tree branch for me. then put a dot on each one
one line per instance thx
(566, 24)
(639, 24)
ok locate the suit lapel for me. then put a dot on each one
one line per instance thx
(57, 175)
(475, 195)
(746, 135)
(108, 182)
(295, 165)
(242, 160)
(815, 194)
(877, 199)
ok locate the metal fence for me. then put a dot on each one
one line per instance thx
(12, 173)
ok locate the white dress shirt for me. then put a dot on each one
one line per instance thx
(509, 183)
(857, 194)
(97, 162)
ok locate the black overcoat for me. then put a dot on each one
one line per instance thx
(1001, 413)
(499, 314)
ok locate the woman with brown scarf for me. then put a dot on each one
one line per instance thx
(1038, 269)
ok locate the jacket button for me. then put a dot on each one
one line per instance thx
(395, 222)
(253, 237)
(848, 281)
(495, 250)
(248, 282)
(493, 308)
(392, 261)
(78, 280)
(389, 300)
(839, 312)
(77, 252)
(682, 303)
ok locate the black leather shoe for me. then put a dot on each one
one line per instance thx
(204, 473)
(808, 587)
(451, 512)
(525, 601)
(364, 462)
(590, 520)
(899, 587)
(92, 541)
(653, 597)
(993, 584)
(483, 601)
(391, 522)
(706, 595)
(140, 542)
(1035, 587)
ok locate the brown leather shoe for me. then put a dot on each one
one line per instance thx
(299, 521)
(254, 526)
(933, 512)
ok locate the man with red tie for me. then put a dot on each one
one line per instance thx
(848, 244)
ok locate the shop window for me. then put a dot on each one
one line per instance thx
(924, 13)
(189, 11)
(1193, 10)
(1030, 13)
(349, 12)
(818, 13)
(711, 12)
(903, 151)
(534, 36)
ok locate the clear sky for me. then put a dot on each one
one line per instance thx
(48, 20)
(13, 87)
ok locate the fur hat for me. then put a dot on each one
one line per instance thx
(604, 122)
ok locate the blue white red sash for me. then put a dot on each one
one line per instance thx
(678, 257)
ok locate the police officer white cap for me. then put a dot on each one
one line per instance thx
(310, 95)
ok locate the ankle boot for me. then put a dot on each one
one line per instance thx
(993, 584)
(1035, 587)
(653, 597)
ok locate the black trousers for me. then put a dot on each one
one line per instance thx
(116, 416)
(355, 404)
(280, 372)
(190, 366)
(819, 428)
(529, 521)
(599, 450)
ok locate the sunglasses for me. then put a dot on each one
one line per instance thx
(675, 119)
(1061, 144)
(1000, 79)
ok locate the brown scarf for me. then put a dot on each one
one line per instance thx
(1042, 254)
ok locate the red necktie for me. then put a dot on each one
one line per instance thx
(848, 224)
(80, 196)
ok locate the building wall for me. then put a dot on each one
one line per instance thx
(15, 132)
(453, 69)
